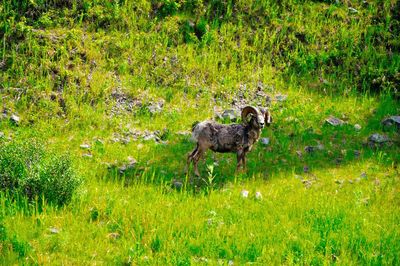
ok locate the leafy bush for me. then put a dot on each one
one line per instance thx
(27, 169)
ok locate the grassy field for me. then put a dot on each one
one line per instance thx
(108, 84)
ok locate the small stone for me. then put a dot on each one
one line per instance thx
(244, 193)
(334, 121)
(126, 140)
(309, 149)
(260, 86)
(298, 177)
(15, 119)
(99, 142)
(258, 195)
(149, 136)
(54, 230)
(306, 169)
(155, 108)
(363, 175)
(391, 121)
(132, 161)
(176, 184)
(357, 153)
(85, 146)
(357, 127)
(378, 138)
(183, 133)
(126, 167)
(307, 183)
(87, 155)
(353, 10)
(113, 235)
(264, 141)
(230, 114)
(281, 97)
(320, 147)
(365, 201)
(339, 181)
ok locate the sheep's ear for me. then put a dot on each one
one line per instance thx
(267, 118)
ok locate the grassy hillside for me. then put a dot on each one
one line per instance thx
(115, 86)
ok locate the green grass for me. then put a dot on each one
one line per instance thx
(62, 63)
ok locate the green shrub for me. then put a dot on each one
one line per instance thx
(27, 169)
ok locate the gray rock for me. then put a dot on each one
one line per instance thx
(309, 149)
(15, 119)
(244, 193)
(392, 121)
(363, 175)
(357, 127)
(230, 114)
(113, 235)
(99, 141)
(264, 141)
(307, 183)
(85, 146)
(260, 85)
(176, 184)
(320, 147)
(378, 138)
(353, 10)
(150, 136)
(127, 167)
(334, 121)
(339, 181)
(258, 195)
(54, 230)
(306, 169)
(281, 97)
(155, 108)
(183, 133)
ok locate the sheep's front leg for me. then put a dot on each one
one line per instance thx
(244, 160)
(196, 159)
(239, 156)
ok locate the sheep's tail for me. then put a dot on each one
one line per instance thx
(197, 129)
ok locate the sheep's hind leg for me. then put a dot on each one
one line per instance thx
(196, 159)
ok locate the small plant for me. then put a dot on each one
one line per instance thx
(210, 178)
(27, 169)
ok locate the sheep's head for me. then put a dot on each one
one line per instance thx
(267, 117)
(253, 117)
(256, 118)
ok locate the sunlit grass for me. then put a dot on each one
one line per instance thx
(337, 204)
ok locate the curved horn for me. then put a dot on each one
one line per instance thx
(248, 110)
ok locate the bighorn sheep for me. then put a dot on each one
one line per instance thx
(235, 138)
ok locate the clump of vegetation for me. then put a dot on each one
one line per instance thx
(27, 169)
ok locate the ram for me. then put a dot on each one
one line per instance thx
(234, 138)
